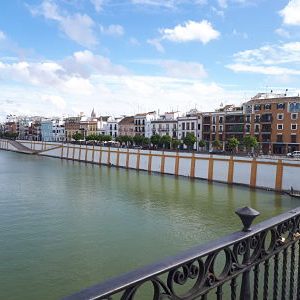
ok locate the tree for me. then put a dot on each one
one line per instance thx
(216, 144)
(146, 141)
(77, 136)
(106, 138)
(202, 144)
(91, 137)
(175, 143)
(190, 140)
(233, 143)
(166, 141)
(155, 139)
(250, 142)
(138, 139)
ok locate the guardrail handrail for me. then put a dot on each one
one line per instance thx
(244, 250)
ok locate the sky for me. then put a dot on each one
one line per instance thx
(63, 57)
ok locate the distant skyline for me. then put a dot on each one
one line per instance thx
(124, 57)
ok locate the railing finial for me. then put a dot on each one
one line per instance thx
(247, 215)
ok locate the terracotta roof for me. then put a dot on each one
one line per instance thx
(273, 100)
(127, 121)
(145, 114)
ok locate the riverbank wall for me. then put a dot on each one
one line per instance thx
(274, 174)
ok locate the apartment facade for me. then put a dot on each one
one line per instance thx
(72, 126)
(126, 126)
(166, 124)
(275, 121)
(142, 123)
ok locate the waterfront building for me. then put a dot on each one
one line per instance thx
(102, 124)
(190, 123)
(112, 126)
(53, 130)
(224, 123)
(166, 124)
(46, 130)
(274, 119)
(126, 126)
(72, 126)
(142, 123)
(34, 130)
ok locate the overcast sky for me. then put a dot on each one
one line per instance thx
(61, 57)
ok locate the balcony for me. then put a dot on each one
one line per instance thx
(234, 128)
(234, 119)
(206, 120)
(206, 128)
(266, 128)
(267, 118)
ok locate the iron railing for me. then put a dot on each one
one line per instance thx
(262, 262)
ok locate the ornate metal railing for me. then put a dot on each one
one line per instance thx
(262, 262)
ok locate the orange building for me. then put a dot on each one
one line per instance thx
(275, 121)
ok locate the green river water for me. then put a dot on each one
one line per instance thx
(67, 225)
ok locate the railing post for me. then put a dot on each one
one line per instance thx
(247, 215)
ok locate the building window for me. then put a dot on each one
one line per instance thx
(213, 128)
(248, 119)
(214, 120)
(279, 126)
(256, 128)
(187, 126)
(279, 116)
(294, 126)
(183, 126)
(220, 119)
(257, 107)
(221, 128)
(193, 125)
(248, 128)
(220, 137)
(268, 106)
(280, 106)
(294, 116)
(257, 118)
(293, 138)
(279, 138)
(199, 127)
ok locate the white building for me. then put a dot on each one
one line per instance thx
(190, 123)
(112, 126)
(142, 123)
(166, 124)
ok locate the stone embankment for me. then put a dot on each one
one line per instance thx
(273, 174)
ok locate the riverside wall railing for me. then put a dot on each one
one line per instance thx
(262, 262)
(274, 174)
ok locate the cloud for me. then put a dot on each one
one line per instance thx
(134, 42)
(72, 75)
(268, 59)
(57, 101)
(291, 13)
(157, 3)
(78, 27)
(191, 31)
(85, 80)
(2, 36)
(177, 69)
(157, 44)
(114, 30)
(168, 4)
(98, 4)
(283, 33)
(266, 70)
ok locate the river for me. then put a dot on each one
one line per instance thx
(67, 225)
